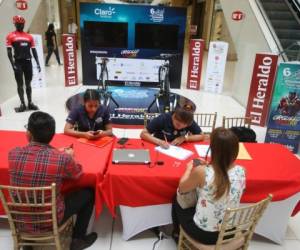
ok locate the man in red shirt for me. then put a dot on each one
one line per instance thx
(39, 164)
(21, 42)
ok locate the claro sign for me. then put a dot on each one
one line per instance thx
(70, 60)
(105, 13)
(261, 88)
(195, 63)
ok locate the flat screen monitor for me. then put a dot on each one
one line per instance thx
(106, 34)
(156, 36)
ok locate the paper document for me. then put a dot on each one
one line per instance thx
(202, 150)
(176, 152)
(243, 153)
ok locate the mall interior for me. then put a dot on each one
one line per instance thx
(257, 63)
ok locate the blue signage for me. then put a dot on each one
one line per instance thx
(284, 119)
(117, 31)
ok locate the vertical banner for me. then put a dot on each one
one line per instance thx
(70, 59)
(284, 118)
(195, 63)
(214, 79)
(38, 78)
(261, 88)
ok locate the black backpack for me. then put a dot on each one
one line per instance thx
(244, 134)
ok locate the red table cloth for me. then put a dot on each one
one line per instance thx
(93, 160)
(273, 169)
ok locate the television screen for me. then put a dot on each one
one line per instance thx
(156, 36)
(106, 34)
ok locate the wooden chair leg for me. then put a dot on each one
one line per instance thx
(57, 243)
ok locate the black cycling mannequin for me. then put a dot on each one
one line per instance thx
(22, 42)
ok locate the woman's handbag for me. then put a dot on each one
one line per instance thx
(187, 200)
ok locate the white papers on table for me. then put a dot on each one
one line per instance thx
(202, 150)
(176, 152)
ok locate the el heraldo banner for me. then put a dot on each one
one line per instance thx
(70, 59)
(195, 63)
(261, 88)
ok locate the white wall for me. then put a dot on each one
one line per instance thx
(248, 40)
(8, 86)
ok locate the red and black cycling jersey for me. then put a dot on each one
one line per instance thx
(22, 42)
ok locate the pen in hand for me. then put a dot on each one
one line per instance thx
(165, 138)
(165, 143)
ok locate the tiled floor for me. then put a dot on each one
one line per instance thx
(52, 99)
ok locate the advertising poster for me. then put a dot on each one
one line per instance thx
(70, 59)
(261, 87)
(195, 63)
(148, 36)
(38, 78)
(215, 70)
(284, 119)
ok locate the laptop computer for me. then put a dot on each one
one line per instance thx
(131, 156)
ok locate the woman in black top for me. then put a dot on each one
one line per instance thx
(51, 44)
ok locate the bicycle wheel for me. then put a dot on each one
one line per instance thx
(104, 78)
(161, 77)
(167, 82)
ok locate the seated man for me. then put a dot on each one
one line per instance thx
(39, 164)
(176, 127)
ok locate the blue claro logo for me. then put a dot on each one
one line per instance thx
(106, 13)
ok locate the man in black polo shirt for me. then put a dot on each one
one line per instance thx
(21, 42)
(176, 128)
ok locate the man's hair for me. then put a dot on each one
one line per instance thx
(184, 115)
(41, 126)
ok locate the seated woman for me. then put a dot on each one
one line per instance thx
(175, 127)
(219, 186)
(91, 120)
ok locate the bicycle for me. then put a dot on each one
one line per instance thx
(105, 95)
(164, 93)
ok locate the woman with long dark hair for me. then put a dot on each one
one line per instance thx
(90, 120)
(51, 44)
(219, 185)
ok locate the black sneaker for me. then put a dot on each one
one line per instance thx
(32, 106)
(87, 241)
(22, 107)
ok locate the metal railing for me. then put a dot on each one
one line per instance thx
(271, 29)
(296, 4)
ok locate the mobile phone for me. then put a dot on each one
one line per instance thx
(96, 132)
(122, 140)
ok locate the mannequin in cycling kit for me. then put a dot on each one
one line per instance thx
(21, 42)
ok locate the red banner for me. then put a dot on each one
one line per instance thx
(195, 63)
(70, 59)
(261, 88)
